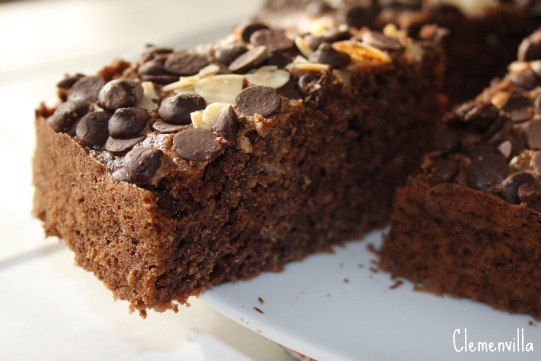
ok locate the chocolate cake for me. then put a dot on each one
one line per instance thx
(481, 38)
(469, 222)
(193, 167)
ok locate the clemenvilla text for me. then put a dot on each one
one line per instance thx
(463, 343)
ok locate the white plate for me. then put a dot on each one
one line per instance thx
(338, 307)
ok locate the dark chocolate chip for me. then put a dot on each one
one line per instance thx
(120, 93)
(86, 89)
(519, 109)
(442, 170)
(128, 123)
(248, 29)
(121, 145)
(164, 127)
(530, 194)
(258, 100)
(249, 60)
(487, 171)
(176, 109)
(227, 125)
(69, 81)
(525, 79)
(154, 67)
(359, 16)
(196, 144)
(511, 185)
(530, 48)
(152, 52)
(381, 41)
(278, 59)
(92, 129)
(289, 90)
(185, 62)
(227, 53)
(326, 54)
(535, 162)
(533, 134)
(67, 114)
(481, 116)
(160, 79)
(274, 40)
(142, 163)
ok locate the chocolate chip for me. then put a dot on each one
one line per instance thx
(530, 48)
(86, 89)
(196, 144)
(289, 90)
(160, 79)
(185, 62)
(482, 116)
(248, 29)
(486, 171)
(359, 16)
(530, 194)
(381, 41)
(511, 185)
(533, 134)
(519, 109)
(67, 114)
(176, 109)
(120, 93)
(535, 162)
(68, 81)
(249, 60)
(127, 123)
(278, 59)
(227, 125)
(152, 52)
(258, 100)
(442, 170)
(92, 129)
(272, 39)
(142, 163)
(164, 127)
(227, 53)
(525, 79)
(154, 67)
(121, 145)
(326, 54)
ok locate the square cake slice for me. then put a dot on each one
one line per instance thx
(198, 166)
(469, 222)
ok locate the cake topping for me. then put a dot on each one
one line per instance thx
(272, 39)
(326, 54)
(128, 123)
(227, 53)
(519, 109)
(269, 76)
(86, 89)
(249, 60)
(114, 145)
(525, 78)
(67, 114)
(443, 170)
(487, 170)
(185, 62)
(248, 29)
(227, 124)
(142, 163)
(120, 93)
(196, 144)
(533, 134)
(176, 109)
(512, 184)
(381, 41)
(258, 100)
(92, 129)
(530, 48)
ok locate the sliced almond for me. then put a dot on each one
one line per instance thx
(182, 83)
(500, 99)
(211, 113)
(303, 46)
(362, 53)
(311, 66)
(220, 88)
(269, 76)
(149, 95)
(197, 119)
(211, 69)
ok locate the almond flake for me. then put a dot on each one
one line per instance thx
(269, 76)
(362, 53)
(303, 46)
(220, 88)
(311, 66)
(197, 119)
(211, 113)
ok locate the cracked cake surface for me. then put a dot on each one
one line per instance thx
(192, 167)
